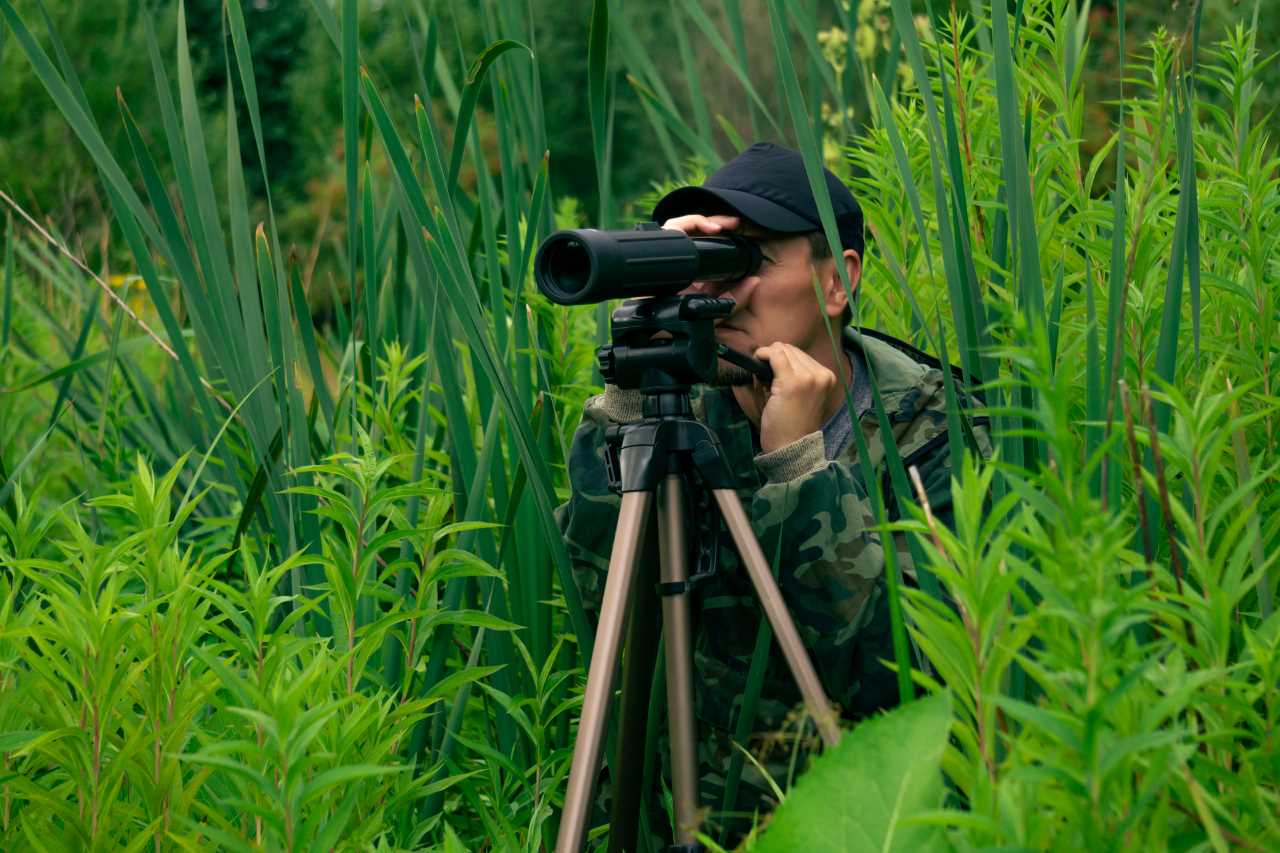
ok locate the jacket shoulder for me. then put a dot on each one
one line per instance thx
(912, 387)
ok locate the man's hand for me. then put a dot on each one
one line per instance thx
(696, 223)
(795, 403)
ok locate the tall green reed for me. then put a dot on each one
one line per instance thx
(439, 268)
(355, 617)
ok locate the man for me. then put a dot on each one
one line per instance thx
(792, 444)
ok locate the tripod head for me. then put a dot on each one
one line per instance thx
(667, 344)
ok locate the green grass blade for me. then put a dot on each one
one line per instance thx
(248, 82)
(973, 311)
(327, 20)
(345, 36)
(209, 239)
(818, 186)
(957, 262)
(82, 363)
(146, 269)
(735, 62)
(247, 313)
(955, 424)
(1055, 313)
(371, 276)
(822, 77)
(11, 482)
(637, 58)
(7, 315)
(697, 100)
(1095, 405)
(672, 122)
(176, 253)
(598, 105)
(64, 61)
(899, 275)
(463, 299)
(470, 95)
(80, 121)
(249, 85)
(917, 209)
(1171, 315)
(306, 330)
(1017, 178)
(1116, 286)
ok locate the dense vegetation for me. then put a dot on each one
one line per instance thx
(278, 566)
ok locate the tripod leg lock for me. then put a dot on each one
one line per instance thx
(676, 587)
(612, 462)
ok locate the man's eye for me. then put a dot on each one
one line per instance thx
(767, 259)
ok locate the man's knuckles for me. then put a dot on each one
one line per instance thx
(695, 223)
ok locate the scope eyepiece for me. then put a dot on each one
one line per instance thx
(587, 265)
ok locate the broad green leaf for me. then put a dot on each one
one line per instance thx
(861, 795)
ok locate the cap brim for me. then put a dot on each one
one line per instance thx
(709, 201)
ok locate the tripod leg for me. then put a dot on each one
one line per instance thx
(632, 520)
(678, 641)
(815, 698)
(641, 645)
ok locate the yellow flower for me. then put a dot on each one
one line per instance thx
(867, 8)
(864, 43)
(924, 28)
(831, 155)
(835, 46)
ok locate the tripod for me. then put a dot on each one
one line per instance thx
(651, 460)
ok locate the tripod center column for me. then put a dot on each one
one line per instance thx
(677, 631)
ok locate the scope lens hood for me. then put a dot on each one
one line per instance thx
(564, 268)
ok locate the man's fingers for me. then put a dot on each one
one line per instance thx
(696, 223)
(795, 367)
(779, 357)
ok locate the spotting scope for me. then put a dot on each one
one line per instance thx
(587, 265)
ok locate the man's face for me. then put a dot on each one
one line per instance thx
(776, 304)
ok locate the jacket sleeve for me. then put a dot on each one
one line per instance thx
(816, 524)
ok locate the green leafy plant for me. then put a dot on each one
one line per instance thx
(352, 622)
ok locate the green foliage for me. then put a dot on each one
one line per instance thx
(865, 793)
(151, 696)
(1148, 685)
(40, 163)
(350, 624)
(1103, 595)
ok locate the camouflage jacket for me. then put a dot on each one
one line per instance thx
(812, 512)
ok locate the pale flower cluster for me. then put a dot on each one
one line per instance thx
(875, 23)
(835, 47)
(872, 36)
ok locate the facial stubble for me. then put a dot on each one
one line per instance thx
(730, 375)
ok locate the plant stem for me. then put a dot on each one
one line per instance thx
(1137, 479)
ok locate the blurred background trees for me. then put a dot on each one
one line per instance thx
(300, 91)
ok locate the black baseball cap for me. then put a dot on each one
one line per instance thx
(767, 184)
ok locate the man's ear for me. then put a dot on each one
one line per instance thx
(834, 293)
